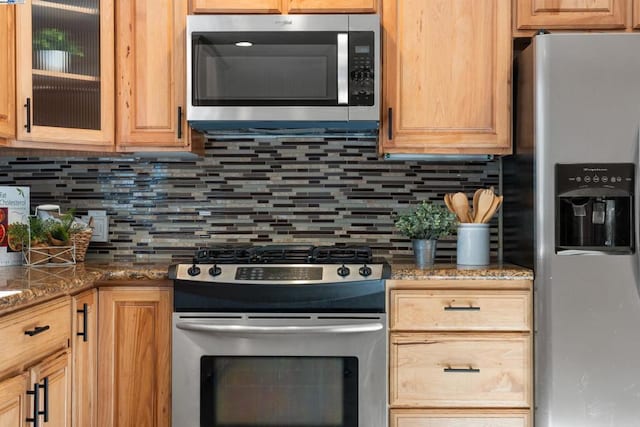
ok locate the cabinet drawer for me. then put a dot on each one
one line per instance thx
(440, 310)
(29, 335)
(460, 418)
(440, 370)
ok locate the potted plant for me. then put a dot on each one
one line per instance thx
(53, 49)
(424, 225)
(33, 236)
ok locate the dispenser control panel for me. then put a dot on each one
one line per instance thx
(577, 176)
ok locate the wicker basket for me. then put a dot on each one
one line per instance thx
(81, 242)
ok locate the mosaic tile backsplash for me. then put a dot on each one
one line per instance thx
(259, 192)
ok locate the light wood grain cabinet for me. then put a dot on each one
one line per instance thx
(460, 353)
(150, 75)
(65, 90)
(459, 418)
(135, 357)
(30, 335)
(84, 335)
(54, 377)
(13, 401)
(7, 73)
(35, 365)
(283, 6)
(571, 14)
(236, 6)
(331, 6)
(447, 77)
(636, 14)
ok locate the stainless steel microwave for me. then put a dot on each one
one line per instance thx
(283, 71)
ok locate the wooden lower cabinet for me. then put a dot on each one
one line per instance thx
(459, 418)
(134, 374)
(460, 353)
(446, 370)
(54, 376)
(84, 311)
(13, 401)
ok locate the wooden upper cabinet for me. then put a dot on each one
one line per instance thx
(283, 6)
(636, 14)
(236, 6)
(65, 92)
(150, 75)
(570, 14)
(7, 72)
(134, 349)
(84, 312)
(447, 76)
(331, 6)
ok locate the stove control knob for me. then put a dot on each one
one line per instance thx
(194, 270)
(215, 270)
(365, 271)
(343, 271)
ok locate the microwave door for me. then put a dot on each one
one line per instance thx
(243, 76)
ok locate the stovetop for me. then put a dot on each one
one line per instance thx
(282, 264)
(281, 278)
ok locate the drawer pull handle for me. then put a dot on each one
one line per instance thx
(469, 307)
(45, 388)
(37, 330)
(462, 370)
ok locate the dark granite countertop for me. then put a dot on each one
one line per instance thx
(39, 284)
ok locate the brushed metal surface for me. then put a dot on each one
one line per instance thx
(369, 347)
(587, 308)
(284, 23)
(343, 68)
(228, 273)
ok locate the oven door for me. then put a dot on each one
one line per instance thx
(294, 370)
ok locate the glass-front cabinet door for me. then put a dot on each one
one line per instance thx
(65, 74)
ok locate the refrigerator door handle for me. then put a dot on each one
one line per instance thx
(636, 212)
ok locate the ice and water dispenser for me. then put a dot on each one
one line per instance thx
(594, 208)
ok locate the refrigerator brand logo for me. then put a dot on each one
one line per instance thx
(284, 21)
(595, 170)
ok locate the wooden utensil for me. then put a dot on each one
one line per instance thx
(485, 201)
(497, 201)
(476, 196)
(461, 206)
(448, 204)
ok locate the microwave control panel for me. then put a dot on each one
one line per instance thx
(361, 68)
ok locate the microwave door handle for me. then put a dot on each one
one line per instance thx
(324, 329)
(343, 68)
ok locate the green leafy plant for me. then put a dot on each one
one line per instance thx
(55, 39)
(426, 221)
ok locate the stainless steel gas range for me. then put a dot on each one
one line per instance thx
(280, 335)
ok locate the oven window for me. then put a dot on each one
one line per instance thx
(242, 391)
(286, 68)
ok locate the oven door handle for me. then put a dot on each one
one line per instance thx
(325, 329)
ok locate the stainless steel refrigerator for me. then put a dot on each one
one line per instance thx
(571, 213)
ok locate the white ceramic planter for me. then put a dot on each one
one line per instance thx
(53, 60)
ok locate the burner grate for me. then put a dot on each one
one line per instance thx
(291, 254)
(346, 254)
(284, 254)
(225, 255)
